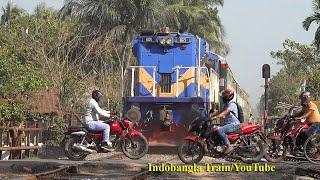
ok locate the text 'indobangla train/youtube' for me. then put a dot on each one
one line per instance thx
(175, 78)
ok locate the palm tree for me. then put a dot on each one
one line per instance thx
(10, 12)
(315, 17)
(124, 18)
(117, 20)
(42, 11)
(199, 17)
(120, 20)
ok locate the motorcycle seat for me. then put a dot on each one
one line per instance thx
(78, 128)
(82, 128)
(238, 131)
(94, 132)
(75, 127)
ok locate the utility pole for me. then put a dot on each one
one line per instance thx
(266, 76)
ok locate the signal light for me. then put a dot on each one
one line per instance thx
(266, 71)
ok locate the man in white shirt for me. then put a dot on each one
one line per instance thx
(91, 118)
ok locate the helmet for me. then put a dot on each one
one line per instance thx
(305, 97)
(279, 124)
(227, 95)
(96, 95)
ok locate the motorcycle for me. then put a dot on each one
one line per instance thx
(247, 147)
(283, 141)
(311, 148)
(80, 142)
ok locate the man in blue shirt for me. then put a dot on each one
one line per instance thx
(230, 114)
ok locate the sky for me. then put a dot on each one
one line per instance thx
(253, 29)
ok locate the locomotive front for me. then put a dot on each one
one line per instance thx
(168, 86)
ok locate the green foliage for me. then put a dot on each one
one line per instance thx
(299, 62)
(84, 46)
(121, 20)
(314, 18)
(198, 17)
(17, 76)
(58, 128)
(13, 112)
(11, 12)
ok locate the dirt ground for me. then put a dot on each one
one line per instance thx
(116, 166)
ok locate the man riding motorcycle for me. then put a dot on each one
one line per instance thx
(91, 119)
(309, 112)
(231, 120)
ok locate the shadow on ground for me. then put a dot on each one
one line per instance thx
(162, 150)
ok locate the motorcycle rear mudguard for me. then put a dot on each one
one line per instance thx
(135, 133)
(275, 138)
(131, 134)
(191, 138)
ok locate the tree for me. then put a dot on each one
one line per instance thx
(198, 17)
(109, 27)
(121, 20)
(11, 12)
(41, 55)
(315, 17)
(298, 64)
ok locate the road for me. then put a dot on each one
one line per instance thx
(116, 166)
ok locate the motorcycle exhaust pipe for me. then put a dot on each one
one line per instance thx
(82, 148)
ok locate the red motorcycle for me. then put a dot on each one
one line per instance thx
(283, 142)
(247, 146)
(79, 142)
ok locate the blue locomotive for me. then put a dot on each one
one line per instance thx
(175, 78)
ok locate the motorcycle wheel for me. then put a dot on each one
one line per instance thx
(312, 149)
(272, 152)
(136, 150)
(190, 148)
(258, 153)
(72, 153)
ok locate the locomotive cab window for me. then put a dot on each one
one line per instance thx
(165, 82)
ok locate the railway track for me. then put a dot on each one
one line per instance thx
(87, 170)
(52, 174)
(145, 172)
(74, 171)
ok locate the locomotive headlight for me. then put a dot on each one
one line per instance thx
(169, 41)
(162, 41)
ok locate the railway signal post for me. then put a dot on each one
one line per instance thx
(266, 76)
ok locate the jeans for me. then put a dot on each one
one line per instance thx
(302, 137)
(99, 126)
(228, 128)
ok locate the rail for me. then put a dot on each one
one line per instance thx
(198, 74)
(133, 77)
(177, 70)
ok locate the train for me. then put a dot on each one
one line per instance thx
(174, 80)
